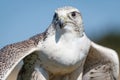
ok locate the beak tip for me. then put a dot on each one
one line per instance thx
(61, 23)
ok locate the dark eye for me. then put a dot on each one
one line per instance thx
(73, 14)
(56, 16)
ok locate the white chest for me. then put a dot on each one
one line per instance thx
(64, 53)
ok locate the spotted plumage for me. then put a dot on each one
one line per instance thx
(62, 52)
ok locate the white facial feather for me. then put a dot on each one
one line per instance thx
(61, 50)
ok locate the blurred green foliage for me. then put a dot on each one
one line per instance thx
(111, 41)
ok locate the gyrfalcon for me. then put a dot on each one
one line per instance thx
(62, 52)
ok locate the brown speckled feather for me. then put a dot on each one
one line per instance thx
(101, 64)
(10, 55)
(60, 53)
(101, 72)
(28, 67)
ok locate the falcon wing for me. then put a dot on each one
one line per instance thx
(12, 54)
(101, 64)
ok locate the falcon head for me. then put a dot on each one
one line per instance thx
(68, 19)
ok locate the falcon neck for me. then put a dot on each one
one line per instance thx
(61, 34)
(67, 36)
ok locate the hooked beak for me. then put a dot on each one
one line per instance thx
(60, 21)
(61, 24)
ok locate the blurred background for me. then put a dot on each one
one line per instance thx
(21, 19)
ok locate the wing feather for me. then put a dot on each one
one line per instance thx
(101, 63)
(12, 54)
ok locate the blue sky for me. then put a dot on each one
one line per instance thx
(21, 19)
